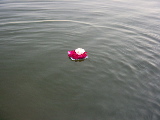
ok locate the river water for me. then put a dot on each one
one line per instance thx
(119, 81)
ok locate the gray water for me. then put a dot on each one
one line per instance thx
(119, 81)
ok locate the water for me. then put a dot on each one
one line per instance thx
(119, 81)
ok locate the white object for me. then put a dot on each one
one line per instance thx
(79, 51)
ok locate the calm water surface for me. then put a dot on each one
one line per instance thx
(119, 81)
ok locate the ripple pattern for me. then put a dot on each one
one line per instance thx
(120, 80)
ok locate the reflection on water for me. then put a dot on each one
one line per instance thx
(79, 60)
(119, 80)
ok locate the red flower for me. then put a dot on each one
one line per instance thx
(74, 55)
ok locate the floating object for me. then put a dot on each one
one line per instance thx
(77, 54)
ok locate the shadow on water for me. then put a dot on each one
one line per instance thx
(80, 60)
